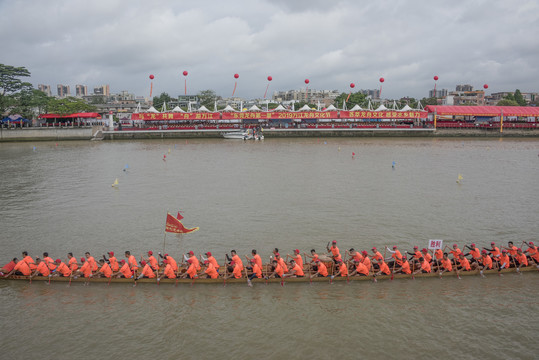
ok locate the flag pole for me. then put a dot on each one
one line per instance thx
(165, 237)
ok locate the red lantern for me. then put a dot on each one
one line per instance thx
(436, 78)
(382, 80)
(270, 78)
(236, 76)
(352, 85)
(485, 86)
(151, 77)
(185, 73)
(306, 81)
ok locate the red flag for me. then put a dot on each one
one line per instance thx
(175, 226)
(179, 217)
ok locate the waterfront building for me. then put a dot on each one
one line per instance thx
(45, 88)
(439, 93)
(102, 90)
(81, 90)
(63, 90)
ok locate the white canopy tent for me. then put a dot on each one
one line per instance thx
(330, 108)
(356, 108)
(178, 109)
(229, 108)
(381, 108)
(152, 110)
(305, 108)
(254, 108)
(203, 109)
(279, 108)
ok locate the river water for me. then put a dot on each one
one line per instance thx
(285, 193)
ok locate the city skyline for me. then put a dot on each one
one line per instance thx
(332, 45)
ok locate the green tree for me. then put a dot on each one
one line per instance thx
(159, 100)
(29, 103)
(519, 98)
(68, 105)
(510, 97)
(507, 102)
(356, 98)
(429, 101)
(11, 84)
(207, 98)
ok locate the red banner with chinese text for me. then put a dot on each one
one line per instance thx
(390, 114)
(174, 225)
(175, 116)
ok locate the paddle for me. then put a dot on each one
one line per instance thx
(248, 281)
(226, 268)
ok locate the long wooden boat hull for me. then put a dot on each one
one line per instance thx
(262, 280)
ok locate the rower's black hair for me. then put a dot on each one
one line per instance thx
(45, 254)
(253, 251)
(351, 249)
(313, 250)
(510, 242)
(234, 251)
(276, 250)
(446, 254)
(421, 259)
(38, 259)
(274, 261)
(14, 259)
(101, 260)
(25, 253)
(87, 252)
(127, 252)
(70, 253)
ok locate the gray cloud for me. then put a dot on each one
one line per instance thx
(331, 43)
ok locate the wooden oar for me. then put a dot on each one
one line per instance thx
(224, 277)
(248, 281)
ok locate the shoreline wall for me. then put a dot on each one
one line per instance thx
(59, 134)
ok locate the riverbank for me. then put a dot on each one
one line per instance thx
(89, 133)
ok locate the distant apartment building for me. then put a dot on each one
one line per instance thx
(45, 88)
(307, 95)
(81, 90)
(63, 90)
(102, 90)
(439, 93)
(464, 88)
(464, 95)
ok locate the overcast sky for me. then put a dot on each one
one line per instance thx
(331, 43)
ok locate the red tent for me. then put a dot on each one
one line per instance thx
(491, 111)
(71, 116)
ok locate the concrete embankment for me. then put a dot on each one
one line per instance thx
(58, 134)
(46, 134)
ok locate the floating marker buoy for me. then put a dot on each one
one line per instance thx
(393, 164)
(34, 148)
(353, 154)
(325, 142)
(165, 157)
(115, 183)
(169, 150)
(459, 178)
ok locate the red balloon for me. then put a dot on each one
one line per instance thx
(306, 81)
(485, 86)
(436, 78)
(151, 77)
(185, 73)
(270, 78)
(352, 85)
(382, 80)
(236, 76)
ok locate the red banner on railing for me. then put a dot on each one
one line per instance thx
(175, 116)
(366, 114)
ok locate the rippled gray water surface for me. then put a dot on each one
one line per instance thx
(285, 193)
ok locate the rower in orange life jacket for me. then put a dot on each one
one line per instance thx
(21, 268)
(343, 269)
(404, 267)
(49, 261)
(521, 259)
(131, 261)
(125, 271)
(85, 269)
(42, 268)
(113, 262)
(446, 264)
(212, 260)
(360, 268)
(366, 260)
(236, 259)
(167, 271)
(504, 261)
(194, 260)
(281, 262)
(474, 251)
(210, 271)
(384, 269)
(511, 249)
(295, 270)
(278, 270)
(28, 259)
(296, 257)
(485, 262)
(191, 270)
(62, 269)
(464, 264)
(334, 251)
(495, 252)
(72, 263)
(90, 260)
(236, 271)
(396, 255)
(425, 267)
(425, 254)
(105, 269)
(151, 260)
(314, 256)
(533, 253)
(322, 270)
